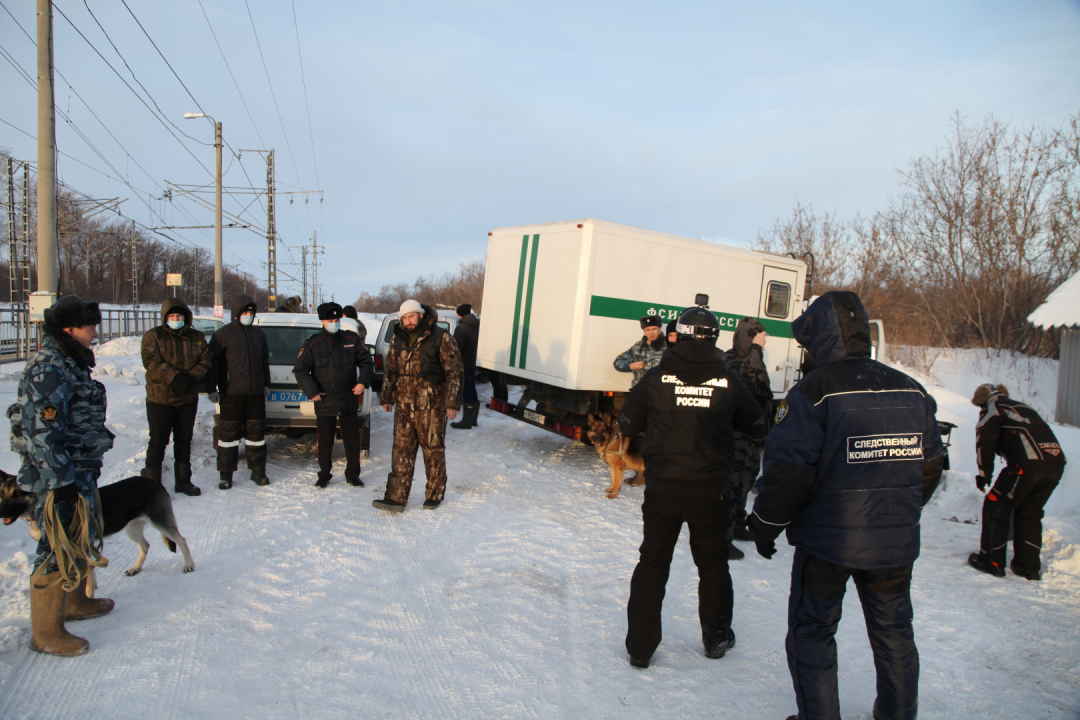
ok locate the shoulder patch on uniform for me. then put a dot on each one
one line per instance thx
(49, 414)
(782, 411)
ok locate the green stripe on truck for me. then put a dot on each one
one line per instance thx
(528, 301)
(517, 303)
(633, 310)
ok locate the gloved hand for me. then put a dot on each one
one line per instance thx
(766, 546)
(213, 397)
(981, 481)
(266, 392)
(67, 493)
(183, 383)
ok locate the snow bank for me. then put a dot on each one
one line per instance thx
(120, 346)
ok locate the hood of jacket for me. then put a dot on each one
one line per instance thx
(173, 305)
(834, 327)
(745, 332)
(693, 361)
(240, 305)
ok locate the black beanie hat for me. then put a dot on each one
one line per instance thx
(329, 311)
(672, 326)
(463, 310)
(650, 321)
(349, 311)
(70, 311)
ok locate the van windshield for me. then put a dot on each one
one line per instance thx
(284, 343)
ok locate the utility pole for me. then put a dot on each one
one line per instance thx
(197, 293)
(48, 264)
(134, 268)
(271, 240)
(13, 239)
(303, 273)
(315, 252)
(219, 275)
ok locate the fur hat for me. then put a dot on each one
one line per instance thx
(410, 306)
(70, 311)
(650, 321)
(984, 392)
(329, 311)
(463, 310)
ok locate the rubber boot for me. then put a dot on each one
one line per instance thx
(48, 634)
(152, 473)
(182, 475)
(225, 482)
(475, 414)
(81, 607)
(468, 417)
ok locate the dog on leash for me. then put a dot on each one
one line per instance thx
(618, 452)
(125, 505)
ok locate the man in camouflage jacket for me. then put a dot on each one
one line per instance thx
(645, 354)
(176, 357)
(423, 379)
(746, 359)
(58, 425)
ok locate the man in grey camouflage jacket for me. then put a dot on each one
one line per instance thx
(60, 421)
(645, 354)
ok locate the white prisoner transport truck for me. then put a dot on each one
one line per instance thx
(562, 300)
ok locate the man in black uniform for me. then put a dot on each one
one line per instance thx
(854, 455)
(1034, 466)
(688, 407)
(333, 369)
(241, 382)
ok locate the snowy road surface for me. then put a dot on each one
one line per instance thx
(506, 602)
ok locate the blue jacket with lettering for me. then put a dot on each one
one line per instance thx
(855, 452)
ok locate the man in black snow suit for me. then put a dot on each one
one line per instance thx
(1035, 463)
(334, 368)
(853, 456)
(746, 359)
(688, 407)
(240, 384)
(467, 335)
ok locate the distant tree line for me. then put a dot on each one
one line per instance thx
(444, 291)
(95, 258)
(979, 234)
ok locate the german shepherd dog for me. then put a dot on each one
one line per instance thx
(618, 452)
(125, 505)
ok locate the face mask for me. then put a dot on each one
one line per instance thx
(246, 319)
(332, 327)
(175, 324)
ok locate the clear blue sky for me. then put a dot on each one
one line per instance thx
(433, 122)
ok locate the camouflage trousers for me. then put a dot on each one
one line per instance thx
(86, 483)
(744, 472)
(424, 429)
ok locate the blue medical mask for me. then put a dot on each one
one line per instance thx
(246, 319)
(175, 324)
(332, 327)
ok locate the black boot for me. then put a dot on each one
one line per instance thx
(719, 643)
(984, 564)
(468, 417)
(259, 478)
(475, 414)
(225, 482)
(182, 475)
(734, 553)
(152, 473)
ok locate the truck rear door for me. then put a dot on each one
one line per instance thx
(776, 314)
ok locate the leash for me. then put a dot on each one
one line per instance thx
(71, 546)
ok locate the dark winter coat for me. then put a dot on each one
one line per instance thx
(855, 451)
(426, 374)
(333, 363)
(467, 335)
(1014, 431)
(688, 407)
(747, 360)
(641, 351)
(241, 355)
(175, 360)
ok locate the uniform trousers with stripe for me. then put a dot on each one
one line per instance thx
(241, 417)
(1019, 495)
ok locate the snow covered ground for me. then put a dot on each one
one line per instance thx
(507, 601)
